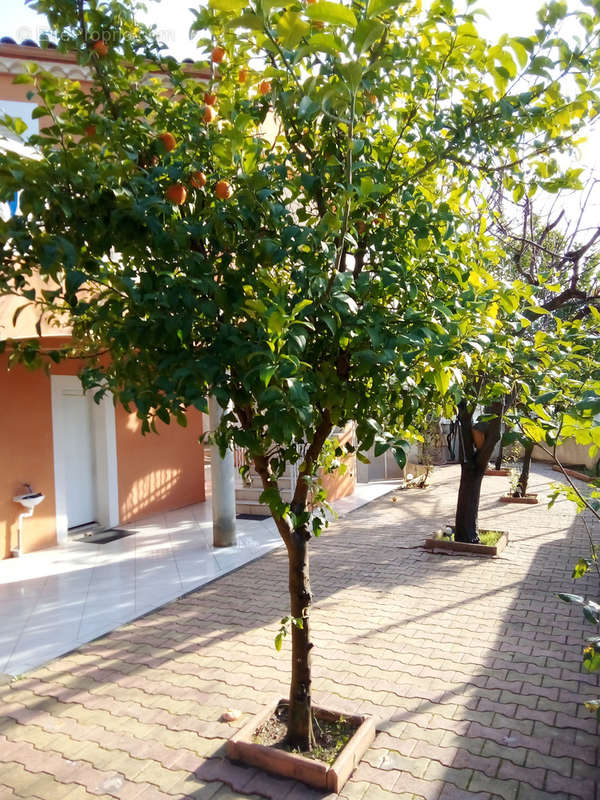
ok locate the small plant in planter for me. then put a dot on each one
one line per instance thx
(518, 490)
(491, 542)
(340, 741)
(417, 481)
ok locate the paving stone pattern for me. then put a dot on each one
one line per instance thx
(471, 667)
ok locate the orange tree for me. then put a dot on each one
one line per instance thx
(309, 266)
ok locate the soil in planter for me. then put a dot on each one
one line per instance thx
(331, 735)
(489, 538)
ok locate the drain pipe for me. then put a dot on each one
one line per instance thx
(16, 552)
(30, 500)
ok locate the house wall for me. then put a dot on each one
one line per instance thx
(570, 454)
(155, 472)
(25, 455)
(161, 472)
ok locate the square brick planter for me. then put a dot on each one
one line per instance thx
(528, 500)
(464, 548)
(574, 473)
(330, 778)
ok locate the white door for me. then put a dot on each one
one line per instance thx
(78, 454)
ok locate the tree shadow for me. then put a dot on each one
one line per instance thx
(471, 666)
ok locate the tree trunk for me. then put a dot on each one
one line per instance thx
(498, 464)
(300, 733)
(474, 461)
(523, 481)
(300, 730)
(467, 507)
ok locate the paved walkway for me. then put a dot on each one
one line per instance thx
(471, 666)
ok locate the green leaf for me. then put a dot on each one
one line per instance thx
(572, 598)
(266, 373)
(18, 312)
(163, 415)
(367, 32)
(581, 567)
(381, 448)
(344, 303)
(228, 5)
(325, 43)
(24, 77)
(591, 658)
(278, 641)
(352, 74)
(593, 705)
(291, 29)
(377, 7)
(276, 321)
(38, 112)
(300, 307)
(14, 123)
(248, 20)
(335, 13)
(307, 108)
(441, 379)
(591, 613)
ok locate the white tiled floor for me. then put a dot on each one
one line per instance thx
(54, 600)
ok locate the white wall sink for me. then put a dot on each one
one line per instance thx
(29, 500)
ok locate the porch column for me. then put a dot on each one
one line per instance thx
(223, 485)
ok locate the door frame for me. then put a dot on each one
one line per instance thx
(104, 441)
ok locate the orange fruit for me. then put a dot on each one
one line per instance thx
(177, 194)
(316, 23)
(223, 190)
(100, 48)
(209, 114)
(243, 75)
(372, 98)
(217, 55)
(210, 99)
(168, 141)
(264, 87)
(198, 180)
(90, 131)
(361, 226)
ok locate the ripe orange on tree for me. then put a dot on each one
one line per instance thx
(223, 190)
(100, 48)
(361, 226)
(209, 114)
(177, 194)
(243, 76)
(90, 131)
(210, 99)
(168, 141)
(217, 55)
(264, 87)
(198, 179)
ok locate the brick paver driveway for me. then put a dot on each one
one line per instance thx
(471, 666)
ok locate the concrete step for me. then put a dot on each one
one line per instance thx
(255, 509)
(252, 494)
